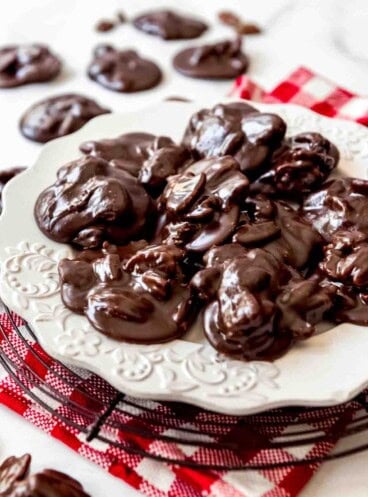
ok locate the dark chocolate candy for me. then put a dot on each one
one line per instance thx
(222, 60)
(281, 230)
(23, 64)
(12, 470)
(236, 129)
(105, 25)
(236, 22)
(256, 305)
(298, 167)
(123, 70)
(169, 25)
(148, 157)
(206, 197)
(5, 176)
(143, 300)
(92, 201)
(58, 116)
(340, 204)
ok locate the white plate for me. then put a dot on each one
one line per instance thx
(327, 369)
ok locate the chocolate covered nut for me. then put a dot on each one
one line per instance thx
(92, 201)
(129, 151)
(299, 167)
(148, 157)
(23, 64)
(48, 483)
(222, 60)
(12, 470)
(58, 116)
(169, 25)
(206, 196)
(281, 230)
(341, 204)
(5, 176)
(346, 258)
(123, 70)
(143, 300)
(302, 304)
(239, 317)
(237, 129)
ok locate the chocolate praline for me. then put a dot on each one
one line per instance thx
(58, 116)
(222, 60)
(169, 25)
(24, 64)
(123, 70)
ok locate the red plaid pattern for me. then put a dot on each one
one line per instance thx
(303, 87)
(156, 479)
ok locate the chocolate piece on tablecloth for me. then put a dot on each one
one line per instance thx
(341, 204)
(236, 129)
(15, 481)
(143, 300)
(169, 25)
(200, 207)
(148, 157)
(58, 116)
(298, 167)
(123, 70)
(92, 201)
(23, 64)
(12, 470)
(221, 60)
(5, 176)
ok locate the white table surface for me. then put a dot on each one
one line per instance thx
(296, 32)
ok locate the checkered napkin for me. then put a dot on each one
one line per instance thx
(156, 479)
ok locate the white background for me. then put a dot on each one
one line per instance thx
(307, 32)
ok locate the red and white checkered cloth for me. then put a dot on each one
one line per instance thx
(156, 479)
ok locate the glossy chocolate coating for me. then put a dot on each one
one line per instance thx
(232, 233)
(92, 201)
(12, 470)
(143, 299)
(5, 176)
(222, 60)
(341, 204)
(281, 230)
(300, 166)
(58, 116)
(23, 64)
(123, 70)
(148, 157)
(205, 197)
(16, 482)
(256, 305)
(169, 25)
(236, 129)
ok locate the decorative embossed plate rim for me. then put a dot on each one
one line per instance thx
(327, 369)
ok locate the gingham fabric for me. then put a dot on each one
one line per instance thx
(156, 479)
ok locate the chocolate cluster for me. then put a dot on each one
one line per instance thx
(15, 481)
(24, 64)
(238, 227)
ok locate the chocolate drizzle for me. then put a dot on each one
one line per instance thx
(236, 226)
